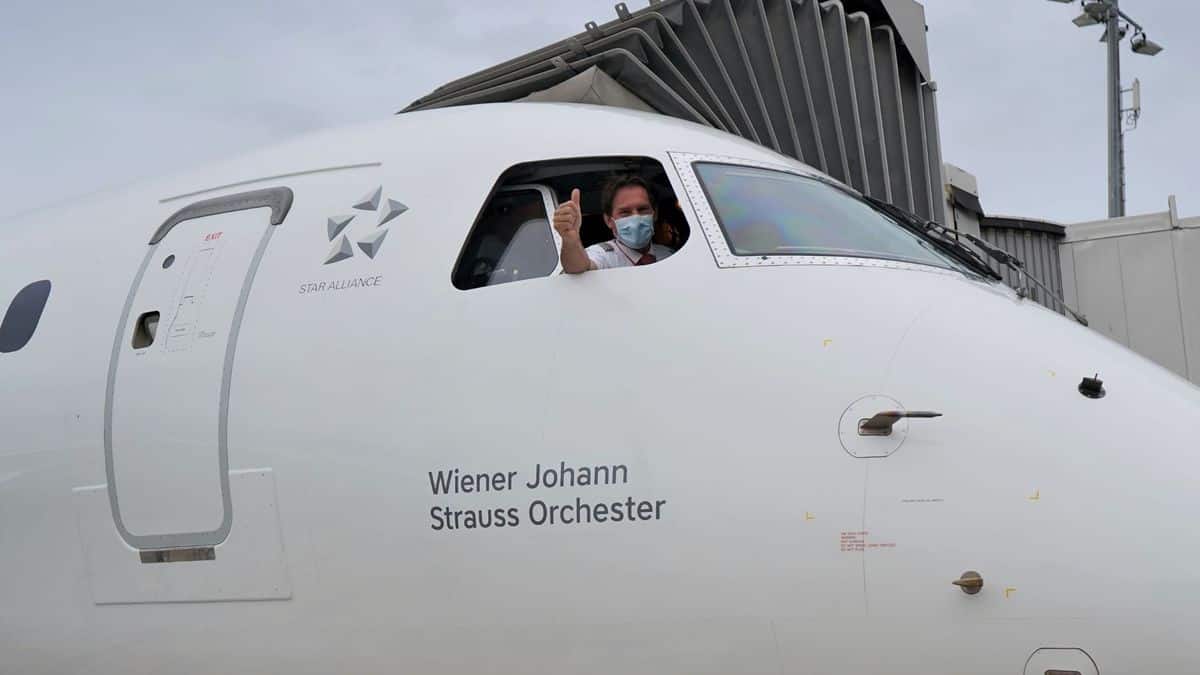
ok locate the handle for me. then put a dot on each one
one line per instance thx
(278, 199)
(881, 424)
(970, 582)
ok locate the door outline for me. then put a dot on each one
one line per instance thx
(279, 200)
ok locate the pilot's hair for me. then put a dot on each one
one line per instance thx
(620, 182)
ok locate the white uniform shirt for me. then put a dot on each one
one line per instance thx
(610, 254)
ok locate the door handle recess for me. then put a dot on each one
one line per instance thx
(881, 424)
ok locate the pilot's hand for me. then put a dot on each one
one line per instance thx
(568, 217)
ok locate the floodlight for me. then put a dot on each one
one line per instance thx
(1084, 20)
(1065, 2)
(1144, 45)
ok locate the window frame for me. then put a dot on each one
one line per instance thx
(551, 206)
(548, 203)
(718, 243)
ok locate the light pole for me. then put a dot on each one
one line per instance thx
(1116, 24)
(1116, 137)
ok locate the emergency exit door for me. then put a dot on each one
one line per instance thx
(169, 377)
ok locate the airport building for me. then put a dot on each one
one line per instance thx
(1136, 279)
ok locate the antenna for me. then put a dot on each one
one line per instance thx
(1134, 112)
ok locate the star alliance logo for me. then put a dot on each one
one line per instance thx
(370, 243)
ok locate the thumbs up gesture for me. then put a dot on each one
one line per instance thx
(568, 217)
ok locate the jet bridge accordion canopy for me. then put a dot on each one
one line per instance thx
(841, 85)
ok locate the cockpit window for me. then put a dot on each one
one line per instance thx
(572, 215)
(512, 242)
(774, 213)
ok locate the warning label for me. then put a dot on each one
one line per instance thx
(852, 542)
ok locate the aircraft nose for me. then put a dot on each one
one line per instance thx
(1065, 466)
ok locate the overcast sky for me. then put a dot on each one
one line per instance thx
(95, 95)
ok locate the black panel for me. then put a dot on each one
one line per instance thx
(21, 319)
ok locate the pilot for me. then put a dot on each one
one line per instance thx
(629, 212)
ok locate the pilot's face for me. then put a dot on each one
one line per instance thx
(629, 201)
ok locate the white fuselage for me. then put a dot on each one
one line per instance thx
(658, 451)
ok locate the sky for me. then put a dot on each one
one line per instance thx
(97, 95)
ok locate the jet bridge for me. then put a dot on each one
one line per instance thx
(842, 85)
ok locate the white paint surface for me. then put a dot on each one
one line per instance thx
(249, 565)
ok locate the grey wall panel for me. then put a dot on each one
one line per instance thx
(621, 64)
(1067, 257)
(764, 61)
(1047, 272)
(892, 109)
(1039, 251)
(914, 126)
(1021, 248)
(644, 36)
(1041, 267)
(625, 68)
(641, 44)
(933, 153)
(681, 56)
(816, 60)
(1152, 299)
(695, 37)
(833, 17)
(1138, 281)
(1101, 297)
(723, 27)
(1187, 270)
(782, 23)
(1057, 275)
(862, 58)
(1029, 253)
(1036, 265)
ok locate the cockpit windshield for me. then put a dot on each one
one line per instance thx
(774, 213)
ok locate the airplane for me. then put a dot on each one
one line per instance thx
(332, 407)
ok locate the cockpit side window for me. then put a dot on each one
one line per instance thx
(513, 238)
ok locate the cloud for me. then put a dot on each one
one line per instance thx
(108, 95)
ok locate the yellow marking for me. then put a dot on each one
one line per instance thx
(826, 342)
(809, 516)
(1009, 591)
(1037, 496)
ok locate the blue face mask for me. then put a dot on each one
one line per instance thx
(635, 231)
